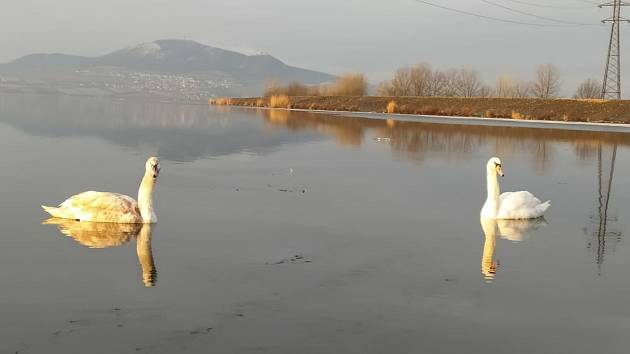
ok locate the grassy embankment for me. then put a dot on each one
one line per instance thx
(570, 110)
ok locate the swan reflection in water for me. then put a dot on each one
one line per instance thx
(104, 235)
(511, 230)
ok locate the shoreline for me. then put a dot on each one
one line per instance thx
(460, 120)
(517, 111)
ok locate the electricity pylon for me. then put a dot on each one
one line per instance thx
(611, 88)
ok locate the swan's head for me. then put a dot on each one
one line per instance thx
(153, 166)
(494, 164)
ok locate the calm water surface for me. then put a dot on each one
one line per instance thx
(304, 233)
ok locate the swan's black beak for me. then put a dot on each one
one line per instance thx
(156, 171)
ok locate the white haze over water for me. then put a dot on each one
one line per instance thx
(372, 36)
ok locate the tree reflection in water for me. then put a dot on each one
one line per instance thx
(417, 140)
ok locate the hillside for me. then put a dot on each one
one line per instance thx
(181, 56)
(42, 62)
(159, 67)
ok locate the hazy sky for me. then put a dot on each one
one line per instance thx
(372, 36)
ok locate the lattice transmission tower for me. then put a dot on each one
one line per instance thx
(611, 88)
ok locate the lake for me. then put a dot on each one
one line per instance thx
(307, 233)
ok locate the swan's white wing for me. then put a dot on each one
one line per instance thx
(518, 199)
(100, 207)
(520, 205)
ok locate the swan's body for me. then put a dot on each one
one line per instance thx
(113, 207)
(509, 205)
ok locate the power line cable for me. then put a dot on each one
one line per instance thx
(588, 2)
(537, 16)
(551, 6)
(463, 12)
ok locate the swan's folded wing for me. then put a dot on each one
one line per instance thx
(100, 200)
(102, 206)
(520, 205)
(518, 199)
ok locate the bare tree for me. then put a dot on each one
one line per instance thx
(485, 91)
(505, 87)
(451, 83)
(547, 81)
(522, 89)
(420, 77)
(401, 83)
(589, 89)
(274, 88)
(325, 90)
(297, 89)
(385, 89)
(468, 82)
(351, 84)
(437, 84)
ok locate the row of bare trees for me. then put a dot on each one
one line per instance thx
(423, 80)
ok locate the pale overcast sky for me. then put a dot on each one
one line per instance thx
(372, 36)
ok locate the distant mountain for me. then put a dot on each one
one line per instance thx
(174, 56)
(41, 62)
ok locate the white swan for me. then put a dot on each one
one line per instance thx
(509, 205)
(113, 207)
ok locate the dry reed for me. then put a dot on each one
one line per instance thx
(220, 101)
(279, 101)
(392, 107)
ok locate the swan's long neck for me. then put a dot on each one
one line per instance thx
(493, 190)
(145, 198)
